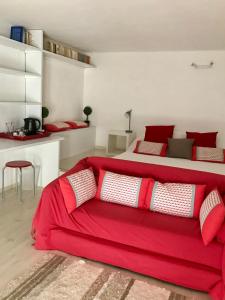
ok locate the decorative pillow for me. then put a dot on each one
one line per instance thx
(216, 155)
(158, 134)
(77, 124)
(212, 214)
(204, 139)
(180, 148)
(177, 199)
(78, 188)
(149, 148)
(57, 126)
(122, 189)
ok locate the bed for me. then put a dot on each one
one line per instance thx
(216, 168)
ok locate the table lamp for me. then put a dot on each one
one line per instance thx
(128, 115)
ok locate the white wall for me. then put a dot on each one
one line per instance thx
(160, 87)
(62, 90)
(5, 28)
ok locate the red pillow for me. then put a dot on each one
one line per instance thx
(158, 134)
(205, 139)
(57, 126)
(78, 188)
(212, 214)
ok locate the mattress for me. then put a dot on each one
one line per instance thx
(216, 168)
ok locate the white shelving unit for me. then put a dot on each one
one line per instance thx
(21, 73)
(18, 73)
(21, 68)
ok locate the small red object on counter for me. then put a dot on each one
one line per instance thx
(39, 135)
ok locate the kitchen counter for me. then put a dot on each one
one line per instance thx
(6, 144)
(44, 153)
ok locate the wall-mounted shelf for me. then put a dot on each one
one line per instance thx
(10, 71)
(4, 41)
(67, 59)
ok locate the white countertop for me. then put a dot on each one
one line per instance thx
(6, 145)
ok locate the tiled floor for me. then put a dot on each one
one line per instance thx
(16, 251)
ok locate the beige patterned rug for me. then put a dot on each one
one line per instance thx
(58, 277)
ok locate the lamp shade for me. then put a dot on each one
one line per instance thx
(128, 113)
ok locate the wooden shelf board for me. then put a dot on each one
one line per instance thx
(18, 72)
(67, 59)
(16, 45)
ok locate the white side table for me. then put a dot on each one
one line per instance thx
(119, 141)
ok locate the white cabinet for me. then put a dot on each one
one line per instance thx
(119, 141)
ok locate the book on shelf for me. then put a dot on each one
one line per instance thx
(74, 54)
(20, 34)
(83, 58)
(28, 37)
(17, 33)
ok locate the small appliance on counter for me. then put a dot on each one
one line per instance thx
(31, 126)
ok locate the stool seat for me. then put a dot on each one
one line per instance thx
(18, 164)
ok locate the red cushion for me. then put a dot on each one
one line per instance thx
(157, 233)
(122, 189)
(57, 126)
(77, 124)
(158, 134)
(206, 139)
(78, 188)
(18, 164)
(150, 148)
(212, 215)
(177, 199)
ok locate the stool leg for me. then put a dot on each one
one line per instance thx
(21, 184)
(34, 186)
(17, 188)
(3, 183)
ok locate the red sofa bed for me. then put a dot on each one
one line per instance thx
(162, 246)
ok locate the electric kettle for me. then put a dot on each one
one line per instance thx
(31, 126)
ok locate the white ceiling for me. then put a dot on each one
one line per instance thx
(124, 25)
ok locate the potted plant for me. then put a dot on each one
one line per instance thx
(45, 113)
(87, 111)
